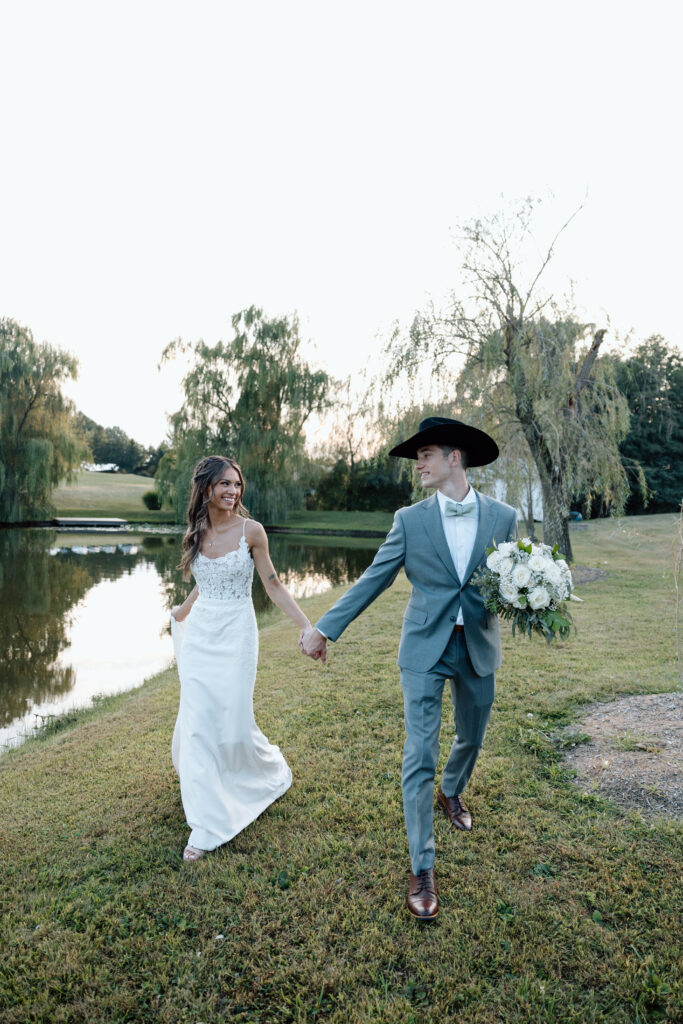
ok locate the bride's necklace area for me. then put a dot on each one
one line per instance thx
(217, 533)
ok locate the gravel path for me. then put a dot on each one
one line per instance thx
(635, 756)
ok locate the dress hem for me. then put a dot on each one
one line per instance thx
(280, 791)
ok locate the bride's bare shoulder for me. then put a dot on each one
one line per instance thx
(254, 532)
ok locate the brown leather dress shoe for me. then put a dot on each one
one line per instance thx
(456, 812)
(422, 900)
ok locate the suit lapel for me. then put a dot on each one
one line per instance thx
(431, 518)
(483, 535)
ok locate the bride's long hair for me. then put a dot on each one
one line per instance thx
(206, 473)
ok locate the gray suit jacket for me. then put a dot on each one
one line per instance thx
(417, 542)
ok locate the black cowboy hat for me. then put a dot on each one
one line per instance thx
(481, 449)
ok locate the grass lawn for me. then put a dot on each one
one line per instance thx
(120, 494)
(559, 907)
(304, 522)
(108, 494)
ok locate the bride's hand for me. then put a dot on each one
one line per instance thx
(313, 644)
(302, 634)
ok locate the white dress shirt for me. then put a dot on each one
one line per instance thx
(461, 532)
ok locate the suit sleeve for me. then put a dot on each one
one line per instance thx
(376, 578)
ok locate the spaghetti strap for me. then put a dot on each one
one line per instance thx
(244, 527)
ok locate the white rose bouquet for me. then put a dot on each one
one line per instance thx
(528, 583)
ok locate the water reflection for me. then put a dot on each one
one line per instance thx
(85, 614)
(37, 594)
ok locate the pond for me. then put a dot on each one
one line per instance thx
(84, 614)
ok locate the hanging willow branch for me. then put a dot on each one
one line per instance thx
(39, 442)
(248, 398)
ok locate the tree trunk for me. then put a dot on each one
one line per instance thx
(555, 521)
(555, 505)
(531, 529)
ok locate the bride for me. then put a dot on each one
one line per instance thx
(229, 772)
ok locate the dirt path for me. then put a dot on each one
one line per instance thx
(635, 755)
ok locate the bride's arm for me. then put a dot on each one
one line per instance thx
(276, 591)
(181, 611)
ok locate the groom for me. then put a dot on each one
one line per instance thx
(447, 633)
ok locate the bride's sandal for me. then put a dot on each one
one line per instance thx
(191, 853)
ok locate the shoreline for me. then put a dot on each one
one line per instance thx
(130, 524)
(104, 704)
(313, 532)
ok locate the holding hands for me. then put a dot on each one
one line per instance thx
(313, 643)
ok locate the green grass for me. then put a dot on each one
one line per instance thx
(303, 521)
(559, 907)
(120, 494)
(108, 494)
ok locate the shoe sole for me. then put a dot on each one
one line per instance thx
(422, 917)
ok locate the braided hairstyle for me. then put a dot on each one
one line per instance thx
(206, 473)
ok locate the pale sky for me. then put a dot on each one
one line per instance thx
(167, 164)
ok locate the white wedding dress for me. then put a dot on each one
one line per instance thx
(229, 772)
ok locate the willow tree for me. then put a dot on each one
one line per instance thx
(522, 365)
(250, 399)
(39, 445)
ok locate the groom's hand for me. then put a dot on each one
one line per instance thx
(314, 644)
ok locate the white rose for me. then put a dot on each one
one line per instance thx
(507, 547)
(539, 598)
(521, 575)
(493, 561)
(537, 563)
(505, 566)
(509, 592)
(557, 580)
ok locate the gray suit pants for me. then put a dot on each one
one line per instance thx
(422, 693)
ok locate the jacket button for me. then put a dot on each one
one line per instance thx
(453, 617)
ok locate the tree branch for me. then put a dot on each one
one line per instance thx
(551, 252)
(29, 407)
(584, 373)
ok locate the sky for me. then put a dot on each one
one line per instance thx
(165, 165)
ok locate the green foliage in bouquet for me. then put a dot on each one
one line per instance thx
(529, 585)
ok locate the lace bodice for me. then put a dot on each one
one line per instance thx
(227, 577)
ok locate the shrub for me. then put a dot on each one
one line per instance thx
(152, 500)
